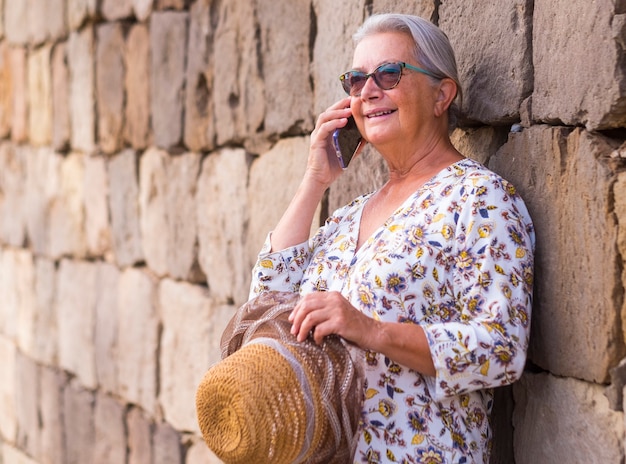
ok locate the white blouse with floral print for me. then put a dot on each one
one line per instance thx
(455, 258)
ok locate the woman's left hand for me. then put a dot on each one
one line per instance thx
(326, 313)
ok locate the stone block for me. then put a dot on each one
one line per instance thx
(16, 292)
(221, 206)
(124, 208)
(53, 382)
(42, 192)
(9, 454)
(424, 8)
(332, 51)
(81, 56)
(139, 437)
(566, 35)
(116, 9)
(77, 286)
(67, 212)
(13, 162)
(184, 350)
(78, 420)
(560, 174)
(6, 90)
(142, 8)
(166, 444)
(168, 42)
(107, 327)
(199, 453)
(138, 339)
(47, 20)
(19, 110)
(199, 117)
(479, 143)
(109, 430)
(16, 22)
(79, 11)
(40, 91)
(171, 4)
(238, 88)
(8, 354)
(27, 405)
(274, 179)
(137, 84)
(97, 226)
(60, 97)
(45, 329)
(23, 277)
(183, 171)
(153, 178)
(549, 424)
(110, 85)
(491, 44)
(288, 95)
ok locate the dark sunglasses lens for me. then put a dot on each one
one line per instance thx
(388, 76)
(353, 82)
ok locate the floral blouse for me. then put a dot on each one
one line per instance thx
(455, 258)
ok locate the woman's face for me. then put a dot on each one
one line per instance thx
(399, 114)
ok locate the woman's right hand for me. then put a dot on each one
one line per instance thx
(323, 166)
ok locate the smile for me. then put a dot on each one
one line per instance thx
(380, 113)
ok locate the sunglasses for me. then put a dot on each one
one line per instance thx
(386, 76)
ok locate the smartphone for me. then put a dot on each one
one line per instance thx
(347, 141)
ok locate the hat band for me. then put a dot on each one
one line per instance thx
(304, 384)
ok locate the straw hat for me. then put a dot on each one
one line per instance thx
(275, 400)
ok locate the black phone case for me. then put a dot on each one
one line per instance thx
(347, 141)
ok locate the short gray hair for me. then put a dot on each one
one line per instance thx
(432, 48)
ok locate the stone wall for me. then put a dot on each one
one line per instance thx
(147, 147)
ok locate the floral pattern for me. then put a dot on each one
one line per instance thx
(456, 258)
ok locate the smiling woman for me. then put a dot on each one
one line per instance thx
(431, 275)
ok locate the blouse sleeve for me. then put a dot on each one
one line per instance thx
(493, 271)
(279, 270)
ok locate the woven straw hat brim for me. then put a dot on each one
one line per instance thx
(244, 422)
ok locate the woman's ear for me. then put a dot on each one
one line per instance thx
(445, 96)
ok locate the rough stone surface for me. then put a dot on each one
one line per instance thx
(51, 411)
(576, 291)
(67, 211)
(75, 309)
(110, 85)
(222, 206)
(79, 11)
(60, 97)
(19, 110)
(47, 19)
(107, 327)
(566, 34)
(199, 117)
(124, 208)
(268, 198)
(8, 424)
(116, 9)
(18, 309)
(6, 90)
(78, 413)
(137, 364)
(137, 85)
(166, 445)
(494, 60)
(548, 423)
(14, 455)
(168, 41)
(479, 143)
(40, 91)
(184, 350)
(96, 206)
(139, 437)
(27, 413)
(15, 18)
(45, 330)
(110, 434)
(142, 8)
(13, 162)
(80, 53)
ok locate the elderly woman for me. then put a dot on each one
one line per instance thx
(431, 274)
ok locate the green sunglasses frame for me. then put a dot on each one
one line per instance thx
(343, 78)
